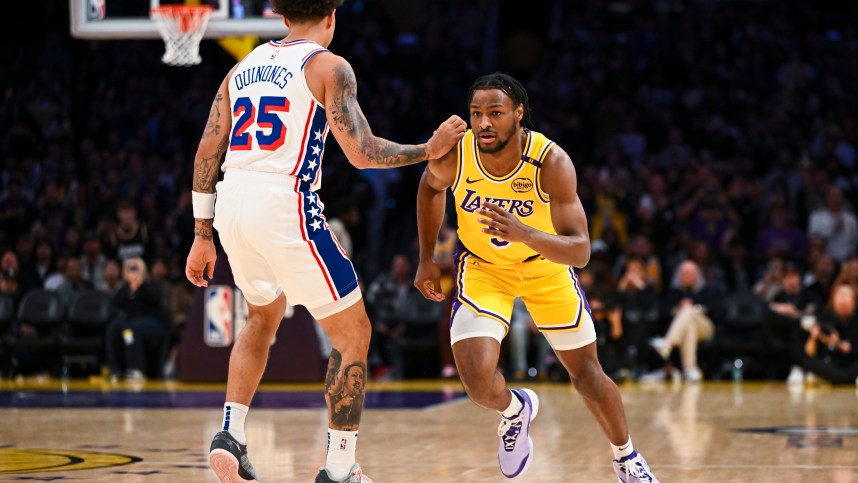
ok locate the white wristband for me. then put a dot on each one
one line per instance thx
(203, 205)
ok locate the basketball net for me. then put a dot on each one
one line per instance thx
(182, 28)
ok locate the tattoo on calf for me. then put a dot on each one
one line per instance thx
(344, 392)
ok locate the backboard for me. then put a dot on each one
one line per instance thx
(129, 19)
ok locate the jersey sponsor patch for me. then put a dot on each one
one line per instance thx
(521, 185)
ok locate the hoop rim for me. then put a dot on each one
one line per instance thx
(172, 10)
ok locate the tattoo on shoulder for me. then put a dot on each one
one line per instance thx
(213, 126)
(348, 117)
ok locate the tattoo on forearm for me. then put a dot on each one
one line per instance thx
(205, 168)
(213, 123)
(348, 117)
(345, 392)
(204, 229)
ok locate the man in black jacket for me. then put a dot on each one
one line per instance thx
(142, 325)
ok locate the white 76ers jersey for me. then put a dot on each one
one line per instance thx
(277, 124)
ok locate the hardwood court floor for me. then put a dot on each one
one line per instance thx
(688, 433)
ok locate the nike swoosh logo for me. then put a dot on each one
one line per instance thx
(471, 181)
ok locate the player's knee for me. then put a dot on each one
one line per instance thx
(587, 375)
(353, 333)
(478, 382)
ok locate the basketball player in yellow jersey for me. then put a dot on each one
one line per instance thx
(522, 230)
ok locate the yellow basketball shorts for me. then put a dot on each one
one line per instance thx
(550, 291)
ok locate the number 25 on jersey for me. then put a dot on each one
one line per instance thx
(265, 118)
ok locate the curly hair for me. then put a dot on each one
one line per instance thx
(301, 10)
(510, 87)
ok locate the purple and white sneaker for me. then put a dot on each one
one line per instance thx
(634, 469)
(516, 447)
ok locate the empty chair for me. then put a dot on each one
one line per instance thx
(37, 330)
(417, 349)
(742, 332)
(7, 316)
(83, 339)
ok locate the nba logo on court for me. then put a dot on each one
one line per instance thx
(219, 326)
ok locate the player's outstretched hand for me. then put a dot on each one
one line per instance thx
(446, 136)
(502, 224)
(201, 261)
(428, 280)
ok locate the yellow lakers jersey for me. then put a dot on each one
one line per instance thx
(517, 192)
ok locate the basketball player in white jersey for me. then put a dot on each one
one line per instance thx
(283, 98)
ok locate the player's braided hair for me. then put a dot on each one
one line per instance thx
(510, 87)
(300, 10)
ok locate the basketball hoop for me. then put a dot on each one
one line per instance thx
(182, 27)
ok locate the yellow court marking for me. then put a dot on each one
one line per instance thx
(25, 460)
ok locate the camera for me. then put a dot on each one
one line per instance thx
(827, 329)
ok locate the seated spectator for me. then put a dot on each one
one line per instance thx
(93, 259)
(772, 280)
(787, 308)
(70, 282)
(638, 303)
(640, 249)
(607, 317)
(111, 280)
(384, 296)
(818, 282)
(141, 326)
(9, 270)
(831, 349)
(836, 225)
(780, 239)
(692, 307)
(848, 273)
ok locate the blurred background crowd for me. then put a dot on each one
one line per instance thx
(715, 146)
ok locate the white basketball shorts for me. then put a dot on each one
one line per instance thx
(277, 241)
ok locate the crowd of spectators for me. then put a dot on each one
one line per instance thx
(717, 133)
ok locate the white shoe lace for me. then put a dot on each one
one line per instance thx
(634, 467)
(504, 427)
(359, 477)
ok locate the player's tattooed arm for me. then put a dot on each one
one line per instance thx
(348, 118)
(363, 148)
(213, 146)
(210, 152)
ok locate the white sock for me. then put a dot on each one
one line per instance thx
(621, 452)
(233, 420)
(341, 453)
(514, 407)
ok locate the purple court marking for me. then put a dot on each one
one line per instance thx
(211, 399)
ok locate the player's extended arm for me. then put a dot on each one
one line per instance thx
(352, 131)
(431, 196)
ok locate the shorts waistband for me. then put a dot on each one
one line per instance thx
(261, 177)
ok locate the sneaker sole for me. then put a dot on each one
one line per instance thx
(225, 467)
